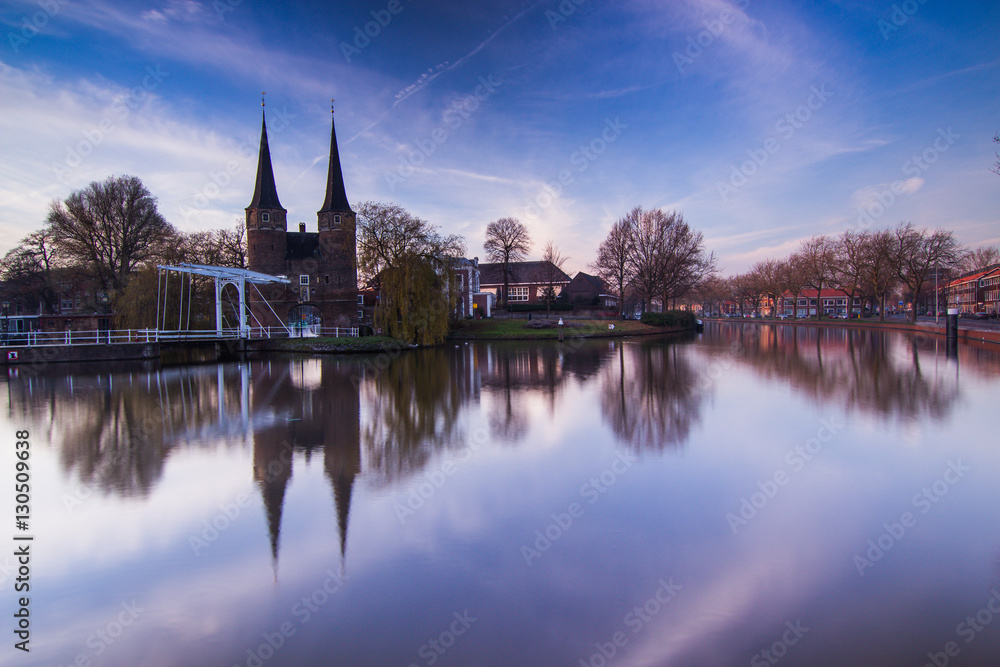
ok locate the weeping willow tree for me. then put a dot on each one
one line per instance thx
(409, 261)
(417, 300)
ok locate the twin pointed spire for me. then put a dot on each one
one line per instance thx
(265, 194)
(336, 195)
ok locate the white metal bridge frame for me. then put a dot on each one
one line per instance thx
(241, 279)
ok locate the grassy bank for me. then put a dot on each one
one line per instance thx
(321, 344)
(503, 329)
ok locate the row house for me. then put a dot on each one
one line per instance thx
(976, 293)
(527, 281)
(810, 302)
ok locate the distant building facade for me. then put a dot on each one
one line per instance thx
(527, 281)
(321, 265)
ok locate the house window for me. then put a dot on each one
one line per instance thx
(265, 217)
(518, 294)
(66, 304)
(326, 279)
(305, 293)
(461, 281)
(361, 314)
(336, 218)
(303, 280)
(361, 299)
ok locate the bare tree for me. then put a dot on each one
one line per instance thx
(648, 239)
(613, 262)
(792, 280)
(852, 263)
(818, 262)
(551, 270)
(996, 166)
(30, 267)
(978, 259)
(769, 279)
(880, 267)
(111, 228)
(507, 240)
(917, 252)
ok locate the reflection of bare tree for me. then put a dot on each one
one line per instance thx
(415, 404)
(649, 396)
(115, 427)
(869, 370)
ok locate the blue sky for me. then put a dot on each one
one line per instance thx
(763, 122)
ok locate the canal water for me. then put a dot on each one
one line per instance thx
(752, 495)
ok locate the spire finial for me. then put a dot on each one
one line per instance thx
(262, 94)
(331, 105)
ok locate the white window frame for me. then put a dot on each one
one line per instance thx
(304, 279)
(518, 294)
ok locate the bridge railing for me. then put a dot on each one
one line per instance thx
(119, 336)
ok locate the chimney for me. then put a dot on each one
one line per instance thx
(475, 262)
(302, 228)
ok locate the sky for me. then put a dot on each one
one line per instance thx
(764, 123)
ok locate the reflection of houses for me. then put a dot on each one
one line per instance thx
(976, 293)
(317, 407)
(588, 290)
(321, 265)
(527, 281)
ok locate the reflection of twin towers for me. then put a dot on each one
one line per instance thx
(316, 406)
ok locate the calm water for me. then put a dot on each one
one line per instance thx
(827, 496)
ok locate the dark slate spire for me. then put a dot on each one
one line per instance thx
(336, 195)
(265, 194)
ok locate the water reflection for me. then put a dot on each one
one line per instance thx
(115, 429)
(650, 395)
(867, 370)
